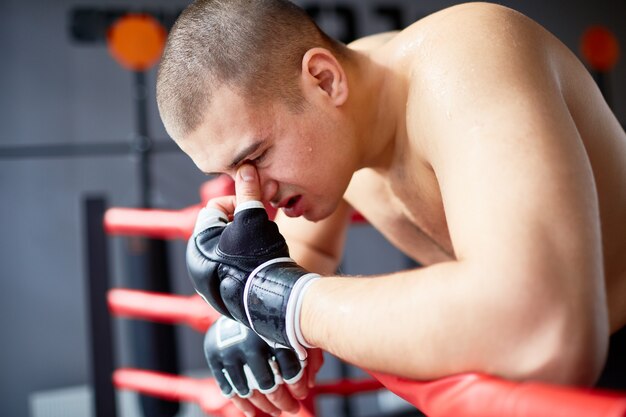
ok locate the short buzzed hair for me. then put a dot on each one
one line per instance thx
(255, 46)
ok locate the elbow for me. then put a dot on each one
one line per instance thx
(555, 330)
(582, 359)
(569, 355)
(571, 365)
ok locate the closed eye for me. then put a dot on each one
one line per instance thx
(253, 161)
(259, 158)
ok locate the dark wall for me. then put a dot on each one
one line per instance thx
(57, 91)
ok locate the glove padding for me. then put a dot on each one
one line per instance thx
(244, 271)
(242, 362)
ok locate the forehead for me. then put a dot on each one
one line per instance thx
(229, 126)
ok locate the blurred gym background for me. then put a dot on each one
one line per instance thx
(72, 126)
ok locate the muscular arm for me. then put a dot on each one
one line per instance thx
(526, 298)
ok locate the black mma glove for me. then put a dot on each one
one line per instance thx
(242, 362)
(244, 271)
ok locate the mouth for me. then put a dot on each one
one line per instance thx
(287, 203)
(291, 202)
(293, 207)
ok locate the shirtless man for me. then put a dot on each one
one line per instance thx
(475, 141)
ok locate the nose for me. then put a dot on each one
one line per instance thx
(269, 189)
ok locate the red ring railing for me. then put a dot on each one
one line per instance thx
(465, 395)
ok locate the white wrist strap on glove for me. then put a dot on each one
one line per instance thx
(209, 217)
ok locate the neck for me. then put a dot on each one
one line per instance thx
(374, 110)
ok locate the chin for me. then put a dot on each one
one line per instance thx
(317, 213)
(312, 218)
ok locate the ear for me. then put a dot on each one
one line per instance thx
(322, 72)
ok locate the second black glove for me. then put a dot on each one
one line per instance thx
(242, 362)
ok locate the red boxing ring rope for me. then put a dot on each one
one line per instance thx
(165, 224)
(172, 309)
(161, 224)
(465, 395)
(204, 392)
(207, 395)
(476, 395)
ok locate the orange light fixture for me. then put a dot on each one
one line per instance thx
(136, 41)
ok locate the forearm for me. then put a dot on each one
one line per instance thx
(433, 322)
(374, 321)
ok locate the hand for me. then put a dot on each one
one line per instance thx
(244, 270)
(253, 374)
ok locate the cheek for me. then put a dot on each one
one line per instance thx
(294, 161)
(311, 164)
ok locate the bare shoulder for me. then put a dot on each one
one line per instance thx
(476, 32)
(468, 29)
(479, 16)
(474, 55)
(372, 41)
(471, 42)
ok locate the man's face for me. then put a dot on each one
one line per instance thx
(304, 160)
